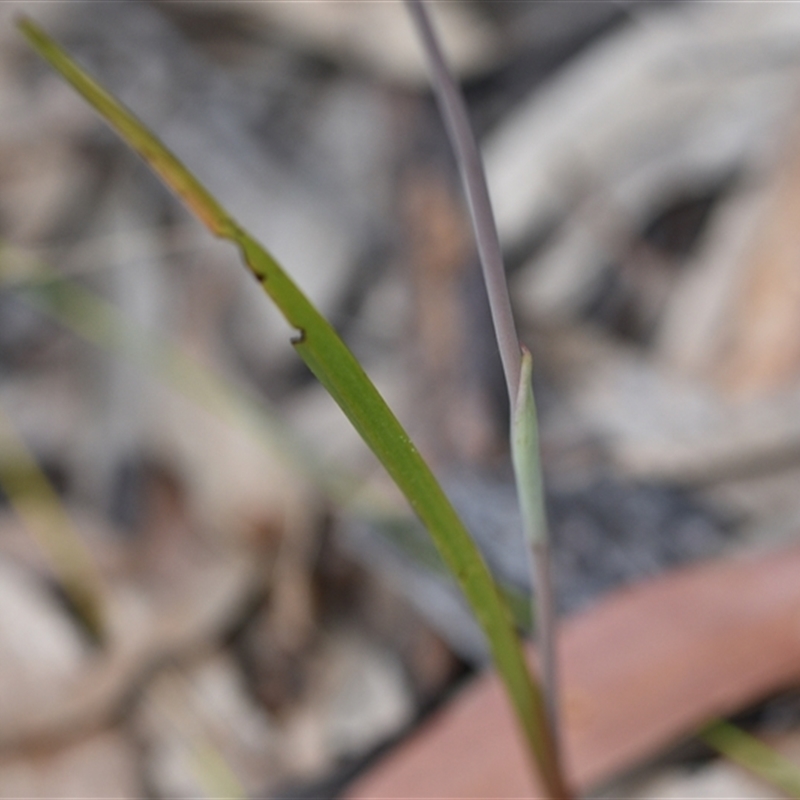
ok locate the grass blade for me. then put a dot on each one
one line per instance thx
(530, 490)
(756, 757)
(35, 501)
(338, 370)
(470, 166)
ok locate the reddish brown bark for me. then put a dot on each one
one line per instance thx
(641, 669)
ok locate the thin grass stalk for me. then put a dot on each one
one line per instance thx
(37, 504)
(753, 755)
(524, 436)
(470, 166)
(208, 764)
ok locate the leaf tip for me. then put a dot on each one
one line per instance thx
(525, 375)
(29, 29)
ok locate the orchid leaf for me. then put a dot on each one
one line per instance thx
(341, 374)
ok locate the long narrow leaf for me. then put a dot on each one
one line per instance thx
(756, 757)
(342, 375)
(530, 490)
(35, 501)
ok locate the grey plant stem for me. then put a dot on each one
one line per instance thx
(454, 112)
(470, 165)
(547, 624)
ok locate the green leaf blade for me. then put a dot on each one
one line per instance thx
(342, 375)
(752, 754)
(525, 455)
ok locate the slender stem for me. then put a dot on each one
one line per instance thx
(517, 370)
(545, 617)
(749, 752)
(36, 502)
(470, 165)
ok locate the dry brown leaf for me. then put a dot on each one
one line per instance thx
(643, 668)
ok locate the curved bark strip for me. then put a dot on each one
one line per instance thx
(643, 668)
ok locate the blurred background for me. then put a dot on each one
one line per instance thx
(207, 585)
